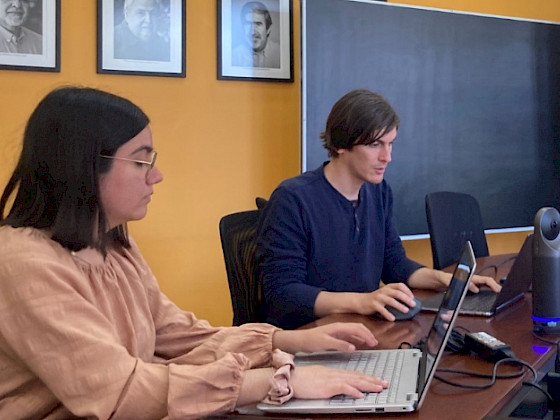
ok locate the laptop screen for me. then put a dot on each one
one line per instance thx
(434, 345)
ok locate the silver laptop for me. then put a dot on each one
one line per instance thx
(409, 371)
(486, 302)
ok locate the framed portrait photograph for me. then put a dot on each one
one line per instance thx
(141, 37)
(30, 35)
(255, 40)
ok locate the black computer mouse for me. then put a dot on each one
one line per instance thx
(403, 316)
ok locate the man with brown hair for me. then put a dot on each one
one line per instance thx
(327, 239)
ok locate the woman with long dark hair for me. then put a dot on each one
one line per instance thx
(85, 330)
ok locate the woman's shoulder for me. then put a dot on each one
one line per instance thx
(23, 241)
(28, 254)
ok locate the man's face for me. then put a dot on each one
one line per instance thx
(13, 13)
(255, 30)
(141, 18)
(367, 163)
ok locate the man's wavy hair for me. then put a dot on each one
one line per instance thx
(256, 7)
(359, 117)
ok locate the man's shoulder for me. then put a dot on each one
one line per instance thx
(241, 49)
(123, 37)
(30, 42)
(31, 34)
(240, 56)
(272, 53)
(273, 47)
(298, 190)
(304, 181)
(122, 28)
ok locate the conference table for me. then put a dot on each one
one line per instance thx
(512, 325)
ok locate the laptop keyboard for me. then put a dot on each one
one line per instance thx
(481, 301)
(385, 365)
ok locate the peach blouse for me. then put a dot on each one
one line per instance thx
(87, 336)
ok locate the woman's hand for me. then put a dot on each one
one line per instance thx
(309, 382)
(340, 336)
(313, 382)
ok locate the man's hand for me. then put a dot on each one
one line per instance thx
(397, 295)
(478, 281)
(428, 278)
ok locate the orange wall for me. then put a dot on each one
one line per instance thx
(221, 143)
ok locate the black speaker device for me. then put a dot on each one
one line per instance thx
(546, 271)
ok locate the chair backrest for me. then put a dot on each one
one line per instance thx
(261, 202)
(452, 219)
(238, 236)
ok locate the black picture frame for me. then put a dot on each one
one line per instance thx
(38, 48)
(235, 57)
(121, 50)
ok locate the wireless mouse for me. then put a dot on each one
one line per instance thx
(403, 316)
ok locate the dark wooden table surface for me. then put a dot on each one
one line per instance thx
(513, 326)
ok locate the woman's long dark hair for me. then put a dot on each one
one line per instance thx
(56, 180)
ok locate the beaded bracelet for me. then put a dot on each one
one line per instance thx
(280, 389)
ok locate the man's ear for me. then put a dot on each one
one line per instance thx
(339, 152)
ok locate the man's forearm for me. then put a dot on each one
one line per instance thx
(336, 302)
(428, 278)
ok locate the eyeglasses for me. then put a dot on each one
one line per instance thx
(150, 164)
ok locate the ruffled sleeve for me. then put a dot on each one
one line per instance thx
(83, 340)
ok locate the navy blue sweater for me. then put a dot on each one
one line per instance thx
(311, 238)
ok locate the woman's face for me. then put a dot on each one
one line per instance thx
(127, 188)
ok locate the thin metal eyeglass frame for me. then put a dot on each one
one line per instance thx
(150, 164)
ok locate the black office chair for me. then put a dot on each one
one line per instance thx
(261, 202)
(238, 236)
(452, 219)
